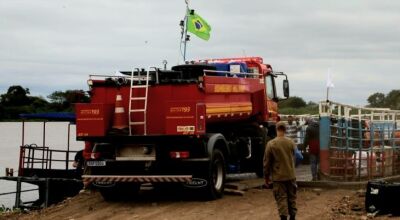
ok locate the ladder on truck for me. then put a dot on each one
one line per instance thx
(137, 84)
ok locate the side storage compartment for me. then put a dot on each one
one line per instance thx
(93, 120)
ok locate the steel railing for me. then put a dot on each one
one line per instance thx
(364, 142)
(38, 157)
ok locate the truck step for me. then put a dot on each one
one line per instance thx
(137, 123)
(138, 86)
(138, 98)
(138, 110)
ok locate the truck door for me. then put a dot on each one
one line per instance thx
(270, 98)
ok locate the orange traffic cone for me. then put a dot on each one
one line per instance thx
(120, 119)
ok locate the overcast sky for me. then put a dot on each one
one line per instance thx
(54, 44)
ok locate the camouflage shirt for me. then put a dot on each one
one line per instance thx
(279, 159)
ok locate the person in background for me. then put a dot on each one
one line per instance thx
(78, 163)
(292, 128)
(311, 140)
(279, 164)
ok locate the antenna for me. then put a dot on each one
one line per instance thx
(184, 36)
(244, 52)
(165, 62)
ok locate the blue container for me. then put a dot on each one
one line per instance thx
(242, 65)
(221, 67)
(231, 67)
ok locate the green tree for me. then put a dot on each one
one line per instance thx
(2, 112)
(376, 100)
(39, 104)
(57, 97)
(75, 96)
(392, 99)
(311, 103)
(16, 96)
(15, 102)
(63, 101)
(292, 102)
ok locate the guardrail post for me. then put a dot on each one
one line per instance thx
(46, 199)
(68, 146)
(324, 142)
(18, 193)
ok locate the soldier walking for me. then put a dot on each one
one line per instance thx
(279, 164)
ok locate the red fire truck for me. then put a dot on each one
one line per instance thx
(192, 125)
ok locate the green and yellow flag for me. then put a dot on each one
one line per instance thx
(198, 26)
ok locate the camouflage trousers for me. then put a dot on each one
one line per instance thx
(285, 196)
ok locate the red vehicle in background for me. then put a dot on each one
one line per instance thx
(191, 125)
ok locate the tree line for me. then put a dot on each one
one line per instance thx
(17, 100)
(380, 100)
(297, 106)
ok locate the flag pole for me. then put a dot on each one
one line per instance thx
(327, 94)
(185, 32)
(329, 84)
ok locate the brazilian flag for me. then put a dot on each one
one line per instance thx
(198, 26)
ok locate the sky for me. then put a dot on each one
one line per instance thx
(49, 45)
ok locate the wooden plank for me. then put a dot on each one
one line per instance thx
(234, 192)
(245, 184)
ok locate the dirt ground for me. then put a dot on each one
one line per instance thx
(313, 204)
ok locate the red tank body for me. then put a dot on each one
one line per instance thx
(187, 108)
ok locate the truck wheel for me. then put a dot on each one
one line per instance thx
(216, 176)
(119, 191)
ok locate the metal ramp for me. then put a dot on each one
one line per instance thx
(138, 101)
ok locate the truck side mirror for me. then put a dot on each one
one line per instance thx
(286, 88)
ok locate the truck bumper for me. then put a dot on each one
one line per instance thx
(138, 179)
(166, 168)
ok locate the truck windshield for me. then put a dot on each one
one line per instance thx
(269, 87)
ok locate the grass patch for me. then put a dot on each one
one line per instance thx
(309, 109)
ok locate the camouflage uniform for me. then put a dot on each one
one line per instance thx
(279, 163)
(285, 196)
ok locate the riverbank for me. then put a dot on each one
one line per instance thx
(254, 204)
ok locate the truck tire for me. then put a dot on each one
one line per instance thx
(119, 191)
(216, 176)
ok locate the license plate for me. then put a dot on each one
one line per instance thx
(95, 163)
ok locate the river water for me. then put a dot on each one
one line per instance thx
(56, 137)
